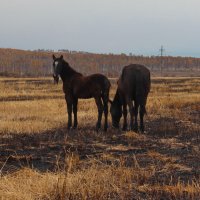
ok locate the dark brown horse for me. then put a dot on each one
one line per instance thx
(133, 85)
(76, 86)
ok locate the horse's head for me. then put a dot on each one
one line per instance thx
(57, 67)
(116, 113)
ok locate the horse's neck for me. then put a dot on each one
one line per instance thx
(117, 99)
(68, 73)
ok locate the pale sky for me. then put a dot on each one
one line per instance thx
(102, 26)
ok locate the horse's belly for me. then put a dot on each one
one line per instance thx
(83, 95)
(86, 93)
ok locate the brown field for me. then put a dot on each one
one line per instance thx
(41, 159)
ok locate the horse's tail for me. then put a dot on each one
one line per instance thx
(106, 90)
(123, 74)
(141, 90)
(149, 83)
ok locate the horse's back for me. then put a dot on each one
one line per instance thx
(99, 79)
(90, 86)
(134, 70)
(135, 81)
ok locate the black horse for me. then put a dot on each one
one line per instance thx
(76, 86)
(133, 85)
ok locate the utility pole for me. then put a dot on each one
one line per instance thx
(161, 50)
(161, 55)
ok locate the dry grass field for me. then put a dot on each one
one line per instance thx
(41, 159)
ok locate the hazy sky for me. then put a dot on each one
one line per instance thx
(102, 26)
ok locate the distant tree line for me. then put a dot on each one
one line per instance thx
(39, 63)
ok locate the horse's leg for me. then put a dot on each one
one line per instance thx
(130, 105)
(142, 112)
(69, 110)
(125, 116)
(100, 111)
(75, 103)
(136, 116)
(105, 109)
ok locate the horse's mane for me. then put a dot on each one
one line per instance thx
(69, 70)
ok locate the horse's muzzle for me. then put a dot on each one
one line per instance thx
(56, 79)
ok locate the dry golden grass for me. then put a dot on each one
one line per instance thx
(41, 159)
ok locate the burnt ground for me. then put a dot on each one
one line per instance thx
(173, 150)
(170, 147)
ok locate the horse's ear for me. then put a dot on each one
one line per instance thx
(61, 57)
(53, 57)
(110, 101)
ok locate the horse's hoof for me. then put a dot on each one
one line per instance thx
(98, 129)
(124, 128)
(69, 127)
(134, 128)
(142, 129)
(105, 128)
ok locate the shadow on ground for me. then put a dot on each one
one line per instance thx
(172, 150)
